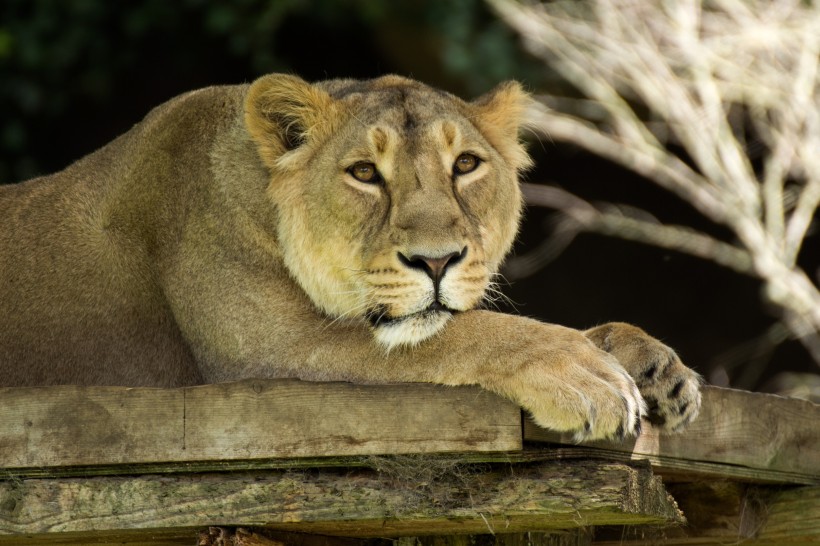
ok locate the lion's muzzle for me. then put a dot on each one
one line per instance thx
(433, 267)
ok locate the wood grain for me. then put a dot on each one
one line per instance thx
(81, 426)
(776, 435)
(366, 503)
(93, 447)
(792, 517)
(721, 512)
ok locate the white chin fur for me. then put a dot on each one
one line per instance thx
(411, 330)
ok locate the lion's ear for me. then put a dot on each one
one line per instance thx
(500, 115)
(284, 112)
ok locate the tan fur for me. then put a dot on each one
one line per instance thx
(224, 237)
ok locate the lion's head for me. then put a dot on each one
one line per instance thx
(396, 202)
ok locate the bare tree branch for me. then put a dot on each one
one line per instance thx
(704, 76)
(611, 220)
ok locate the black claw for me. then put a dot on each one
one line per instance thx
(638, 425)
(649, 373)
(683, 407)
(656, 419)
(587, 427)
(621, 432)
(676, 389)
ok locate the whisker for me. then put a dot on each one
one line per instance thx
(493, 295)
(357, 311)
(329, 322)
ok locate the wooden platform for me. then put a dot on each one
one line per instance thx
(315, 464)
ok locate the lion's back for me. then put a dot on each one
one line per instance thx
(79, 295)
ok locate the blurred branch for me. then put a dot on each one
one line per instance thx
(658, 77)
(635, 225)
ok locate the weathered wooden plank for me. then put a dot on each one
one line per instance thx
(721, 512)
(67, 426)
(717, 511)
(791, 517)
(776, 435)
(401, 498)
(221, 536)
(129, 537)
(674, 469)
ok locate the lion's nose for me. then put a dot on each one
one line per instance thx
(435, 267)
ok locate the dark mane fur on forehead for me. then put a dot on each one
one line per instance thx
(413, 101)
(389, 85)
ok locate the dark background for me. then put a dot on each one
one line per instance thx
(75, 74)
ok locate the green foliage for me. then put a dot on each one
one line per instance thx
(478, 47)
(74, 74)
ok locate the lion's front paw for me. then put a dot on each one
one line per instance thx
(575, 388)
(671, 390)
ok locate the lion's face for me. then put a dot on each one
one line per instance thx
(397, 203)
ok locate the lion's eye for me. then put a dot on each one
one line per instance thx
(465, 163)
(365, 172)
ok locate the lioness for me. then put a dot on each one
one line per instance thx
(344, 230)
